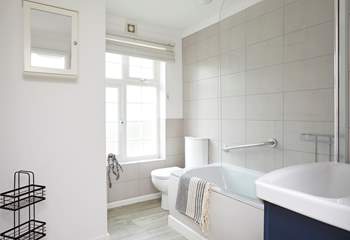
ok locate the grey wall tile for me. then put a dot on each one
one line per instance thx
(190, 72)
(233, 62)
(208, 47)
(208, 68)
(123, 190)
(313, 73)
(265, 53)
(276, 81)
(189, 40)
(294, 158)
(206, 88)
(236, 158)
(190, 53)
(130, 172)
(310, 42)
(261, 131)
(190, 127)
(295, 141)
(304, 13)
(314, 105)
(208, 129)
(188, 93)
(233, 132)
(174, 128)
(265, 80)
(145, 168)
(212, 30)
(175, 160)
(233, 38)
(174, 145)
(207, 109)
(233, 85)
(190, 109)
(265, 107)
(233, 107)
(265, 27)
(234, 20)
(145, 186)
(264, 160)
(262, 7)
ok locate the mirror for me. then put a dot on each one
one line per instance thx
(50, 39)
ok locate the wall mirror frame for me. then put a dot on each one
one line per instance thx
(50, 41)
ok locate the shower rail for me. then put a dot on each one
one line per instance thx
(270, 143)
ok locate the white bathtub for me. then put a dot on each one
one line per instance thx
(234, 210)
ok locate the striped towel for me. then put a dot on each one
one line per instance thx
(193, 199)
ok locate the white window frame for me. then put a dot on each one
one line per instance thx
(122, 85)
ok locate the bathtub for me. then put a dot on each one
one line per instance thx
(234, 210)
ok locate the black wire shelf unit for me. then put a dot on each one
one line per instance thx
(23, 198)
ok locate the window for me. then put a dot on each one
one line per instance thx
(113, 66)
(112, 120)
(141, 68)
(132, 107)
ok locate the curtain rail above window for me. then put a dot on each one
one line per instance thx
(140, 48)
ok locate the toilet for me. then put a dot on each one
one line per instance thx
(196, 155)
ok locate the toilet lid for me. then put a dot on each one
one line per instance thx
(164, 173)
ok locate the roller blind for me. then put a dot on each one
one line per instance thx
(140, 48)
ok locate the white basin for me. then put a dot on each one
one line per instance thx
(318, 190)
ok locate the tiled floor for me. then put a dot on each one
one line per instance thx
(141, 221)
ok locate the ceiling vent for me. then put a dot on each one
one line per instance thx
(131, 28)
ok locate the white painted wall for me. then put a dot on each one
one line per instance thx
(56, 127)
(116, 25)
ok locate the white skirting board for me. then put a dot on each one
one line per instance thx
(183, 229)
(105, 237)
(133, 200)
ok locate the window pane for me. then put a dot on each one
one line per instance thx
(134, 131)
(149, 112)
(149, 95)
(112, 120)
(149, 147)
(134, 112)
(113, 66)
(134, 149)
(142, 121)
(134, 94)
(141, 68)
(112, 95)
(149, 130)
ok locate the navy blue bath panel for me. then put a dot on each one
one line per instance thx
(283, 224)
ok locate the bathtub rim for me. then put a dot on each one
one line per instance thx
(256, 203)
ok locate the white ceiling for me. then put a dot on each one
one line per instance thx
(179, 14)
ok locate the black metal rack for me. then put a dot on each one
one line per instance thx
(17, 200)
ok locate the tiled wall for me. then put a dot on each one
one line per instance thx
(136, 179)
(264, 72)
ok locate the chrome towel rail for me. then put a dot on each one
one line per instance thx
(271, 143)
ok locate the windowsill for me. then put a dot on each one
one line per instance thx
(142, 161)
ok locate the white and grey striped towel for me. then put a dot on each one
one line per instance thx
(193, 199)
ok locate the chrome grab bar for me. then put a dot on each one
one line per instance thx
(271, 143)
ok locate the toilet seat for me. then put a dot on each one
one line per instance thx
(163, 173)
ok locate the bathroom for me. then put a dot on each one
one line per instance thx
(247, 97)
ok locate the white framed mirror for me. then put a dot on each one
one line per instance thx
(50, 40)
